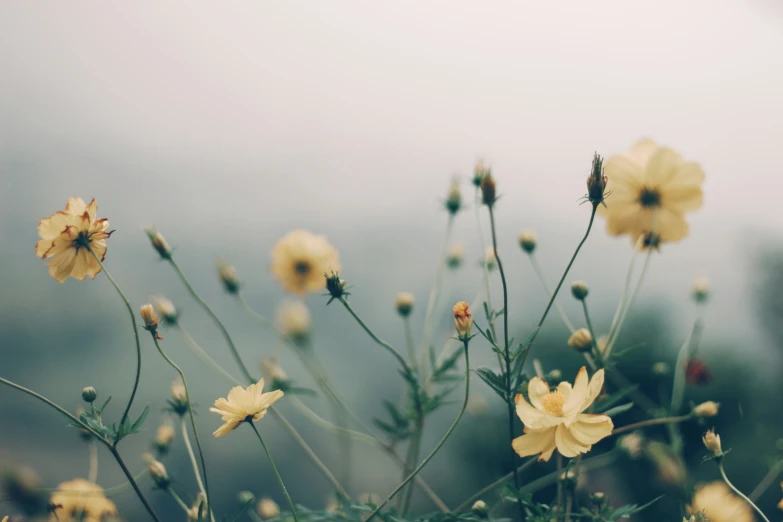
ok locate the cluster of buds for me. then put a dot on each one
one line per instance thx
(581, 340)
(453, 202)
(165, 309)
(335, 286)
(579, 290)
(404, 303)
(157, 471)
(159, 243)
(455, 256)
(163, 438)
(179, 398)
(150, 319)
(463, 320)
(228, 276)
(527, 241)
(480, 171)
(596, 182)
(295, 321)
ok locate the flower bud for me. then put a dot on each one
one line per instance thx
(463, 319)
(490, 261)
(157, 471)
(480, 509)
(89, 394)
(581, 340)
(274, 373)
(579, 290)
(454, 198)
(179, 398)
(632, 444)
(245, 497)
(598, 498)
(228, 276)
(159, 243)
(455, 255)
(712, 443)
(706, 409)
(164, 437)
(488, 189)
(267, 508)
(661, 369)
(149, 316)
(165, 309)
(527, 241)
(567, 477)
(554, 375)
(596, 182)
(335, 286)
(404, 303)
(700, 289)
(295, 321)
(479, 172)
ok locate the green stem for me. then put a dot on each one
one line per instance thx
(767, 481)
(277, 473)
(439, 445)
(412, 459)
(499, 482)
(432, 301)
(559, 484)
(409, 341)
(119, 488)
(590, 329)
(540, 274)
(215, 319)
(192, 418)
(738, 492)
(132, 481)
(678, 386)
(192, 455)
(615, 333)
(651, 422)
(623, 295)
(205, 356)
(135, 334)
(178, 499)
(92, 474)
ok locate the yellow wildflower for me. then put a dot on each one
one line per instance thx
(300, 260)
(719, 504)
(267, 508)
(80, 500)
(244, 404)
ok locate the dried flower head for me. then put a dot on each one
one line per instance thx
(706, 409)
(335, 286)
(555, 419)
(157, 471)
(244, 405)
(455, 256)
(80, 500)
(67, 238)
(404, 303)
(652, 188)
(228, 276)
(719, 504)
(596, 181)
(527, 241)
(463, 319)
(581, 340)
(300, 259)
(294, 320)
(267, 508)
(158, 243)
(712, 443)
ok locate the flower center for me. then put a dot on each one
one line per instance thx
(553, 403)
(82, 240)
(302, 268)
(649, 197)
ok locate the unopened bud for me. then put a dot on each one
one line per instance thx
(706, 409)
(700, 289)
(598, 498)
(228, 276)
(632, 444)
(527, 241)
(274, 373)
(455, 255)
(164, 437)
(165, 309)
(712, 443)
(267, 508)
(335, 286)
(463, 319)
(295, 321)
(89, 394)
(581, 340)
(661, 369)
(157, 471)
(149, 316)
(596, 182)
(579, 290)
(454, 198)
(480, 509)
(245, 497)
(479, 172)
(179, 398)
(554, 375)
(404, 303)
(159, 243)
(488, 190)
(490, 261)
(568, 477)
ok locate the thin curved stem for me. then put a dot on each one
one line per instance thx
(499, 482)
(132, 481)
(135, 334)
(438, 446)
(277, 473)
(192, 418)
(178, 499)
(615, 334)
(92, 474)
(540, 274)
(738, 492)
(590, 328)
(214, 318)
(433, 298)
(119, 488)
(623, 295)
(651, 422)
(767, 481)
(205, 356)
(409, 341)
(678, 385)
(192, 455)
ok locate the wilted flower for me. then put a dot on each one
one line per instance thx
(66, 236)
(159, 243)
(80, 500)
(244, 404)
(720, 504)
(490, 261)
(700, 289)
(165, 309)
(555, 419)
(455, 255)
(596, 181)
(527, 241)
(463, 319)
(300, 260)
(712, 443)
(706, 409)
(581, 340)
(454, 198)
(294, 320)
(650, 189)
(228, 276)
(267, 508)
(404, 303)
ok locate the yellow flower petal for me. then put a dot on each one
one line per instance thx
(589, 429)
(536, 389)
(567, 444)
(578, 395)
(534, 442)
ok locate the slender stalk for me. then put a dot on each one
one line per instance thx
(192, 455)
(599, 461)
(132, 481)
(678, 386)
(214, 318)
(205, 356)
(434, 291)
(277, 473)
(192, 418)
(590, 328)
(119, 488)
(499, 482)
(623, 295)
(413, 457)
(135, 334)
(409, 341)
(506, 351)
(559, 483)
(540, 274)
(615, 334)
(767, 481)
(92, 474)
(178, 499)
(652, 422)
(440, 443)
(738, 492)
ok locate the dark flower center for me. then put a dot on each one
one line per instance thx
(302, 268)
(650, 197)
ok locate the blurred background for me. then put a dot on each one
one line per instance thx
(228, 124)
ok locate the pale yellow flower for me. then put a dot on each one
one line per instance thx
(165, 435)
(581, 340)
(651, 180)
(244, 404)
(294, 319)
(80, 500)
(554, 419)
(720, 504)
(300, 260)
(64, 239)
(267, 508)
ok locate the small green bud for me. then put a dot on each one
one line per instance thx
(404, 303)
(598, 498)
(527, 241)
(335, 286)
(579, 290)
(245, 497)
(159, 243)
(480, 509)
(89, 394)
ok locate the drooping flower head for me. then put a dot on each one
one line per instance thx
(720, 504)
(650, 189)
(244, 404)
(65, 236)
(300, 259)
(80, 500)
(555, 419)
